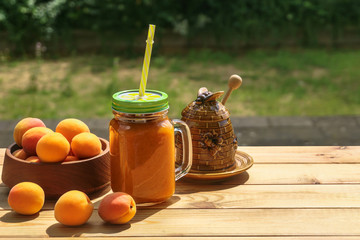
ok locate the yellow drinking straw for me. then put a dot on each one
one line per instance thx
(146, 64)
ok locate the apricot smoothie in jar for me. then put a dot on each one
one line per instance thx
(142, 147)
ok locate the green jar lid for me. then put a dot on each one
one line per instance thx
(128, 101)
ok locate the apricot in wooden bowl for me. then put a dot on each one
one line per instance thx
(91, 175)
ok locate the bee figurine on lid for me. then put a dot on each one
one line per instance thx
(213, 139)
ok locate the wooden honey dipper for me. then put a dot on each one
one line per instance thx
(235, 82)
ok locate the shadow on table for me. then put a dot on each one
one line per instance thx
(13, 217)
(60, 230)
(96, 226)
(191, 185)
(4, 192)
(238, 179)
(146, 212)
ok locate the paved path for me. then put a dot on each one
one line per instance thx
(254, 131)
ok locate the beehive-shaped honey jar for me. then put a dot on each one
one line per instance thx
(213, 139)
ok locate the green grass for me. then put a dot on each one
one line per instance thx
(287, 83)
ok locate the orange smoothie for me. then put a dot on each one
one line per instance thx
(143, 158)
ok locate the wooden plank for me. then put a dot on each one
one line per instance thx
(248, 196)
(195, 222)
(267, 196)
(214, 238)
(294, 174)
(304, 154)
(298, 174)
(290, 174)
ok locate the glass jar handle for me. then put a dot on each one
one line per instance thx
(182, 128)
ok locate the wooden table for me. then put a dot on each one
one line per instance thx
(289, 193)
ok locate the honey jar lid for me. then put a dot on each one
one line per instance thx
(129, 101)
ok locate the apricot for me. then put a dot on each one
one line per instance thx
(26, 198)
(71, 127)
(53, 147)
(73, 208)
(20, 153)
(71, 158)
(23, 125)
(117, 208)
(31, 138)
(33, 159)
(86, 145)
(71, 152)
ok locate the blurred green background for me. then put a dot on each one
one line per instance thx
(65, 58)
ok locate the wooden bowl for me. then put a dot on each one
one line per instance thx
(88, 175)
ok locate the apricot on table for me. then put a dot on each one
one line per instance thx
(86, 145)
(31, 138)
(71, 127)
(23, 125)
(117, 208)
(26, 198)
(53, 147)
(73, 208)
(20, 153)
